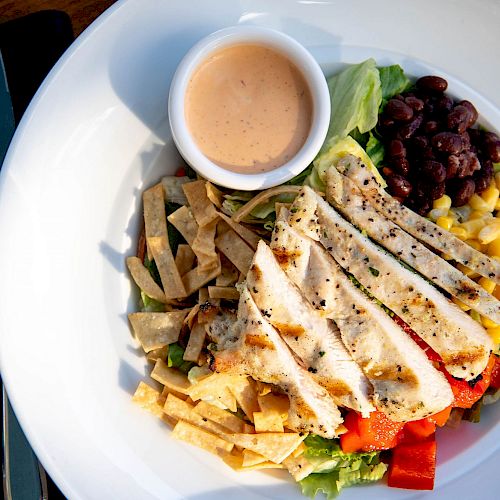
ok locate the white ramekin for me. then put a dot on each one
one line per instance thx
(287, 46)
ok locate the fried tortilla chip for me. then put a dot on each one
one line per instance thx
(155, 220)
(228, 275)
(236, 250)
(169, 274)
(223, 292)
(268, 421)
(195, 343)
(203, 439)
(183, 220)
(170, 378)
(230, 422)
(204, 247)
(274, 402)
(167, 390)
(275, 446)
(299, 467)
(203, 209)
(143, 279)
(216, 196)
(251, 458)
(147, 397)
(157, 329)
(247, 234)
(184, 258)
(244, 391)
(236, 460)
(215, 388)
(155, 354)
(194, 279)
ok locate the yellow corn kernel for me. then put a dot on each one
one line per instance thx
(494, 247)
(494, 333)
(487, 323)
(435, 213)
(487, 284)
(490, 196)
(497, 179)
(443, 203)
(460, 304)
(475, 245)
(444, 222)
(477, 203)
(467, 271)
(489, 233)
(460, 232)
(477, 214)
(473, 227)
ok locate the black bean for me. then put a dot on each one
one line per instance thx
(399, 186)
(396, 148)
(386, 121)
(443, 104)
(433, 170)
(491, 144)
(408, 129)
(466, 143)
(401, 164)
(483, 177)
(476, 136)
(461, 191)
(463, 164)
(432, 84)
(399, 97)
(459, 118)
(452, 166)
(447, 142)
(473, 112)
(415, 103)
(437, 190)
(398, 110)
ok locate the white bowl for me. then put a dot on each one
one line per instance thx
(287, 46)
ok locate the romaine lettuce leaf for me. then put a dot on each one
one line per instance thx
(176, 358)
(151, 305)
(375, 149)
(355, 95)
(335, 469)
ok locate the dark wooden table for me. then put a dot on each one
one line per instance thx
(82, 12)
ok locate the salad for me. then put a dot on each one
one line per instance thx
(331, 325)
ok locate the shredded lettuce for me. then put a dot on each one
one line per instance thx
(375, 149)
(172, 185)
(334, 469)
(176, 358)
(151, 305)
(355, 95)
(393, 81)
(150, 265)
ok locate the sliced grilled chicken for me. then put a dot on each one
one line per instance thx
(345, 196)
(461, 342)
(315, 340)
(406, 385)
(251, 346)
(418, 226)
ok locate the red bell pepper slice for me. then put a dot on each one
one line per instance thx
(376, 432)
(413, 466)
(495, 374)
(441, 417)
(181, 172)
(418, 430)
(466, 394)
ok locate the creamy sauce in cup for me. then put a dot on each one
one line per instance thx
(248, 108)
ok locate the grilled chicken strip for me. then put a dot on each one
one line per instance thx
(315, 340)
(251, 346)
(345, 196)
(462, 343)
(418, 226)
(406, 384)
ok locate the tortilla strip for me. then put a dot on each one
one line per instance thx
(147, 397)
(188, 320)
(247, 234)
(204, 247)
(235, 461)
(143, 279)
(195, 343)
(228, 274)
(183, 220)
(157, 329)
(275, 446)
(155, 354)
(170, 378)
(223, 292)
(268, 421)
(155, 221)
(246, 395)
(169, 274)
(236, 250)
(274, 402)
(251, 458)
(214, 195)
(216, 387)
(222, 417)
(198, 437)
(203, 209)
(184, 258)
(194, 280)
(299, 467)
